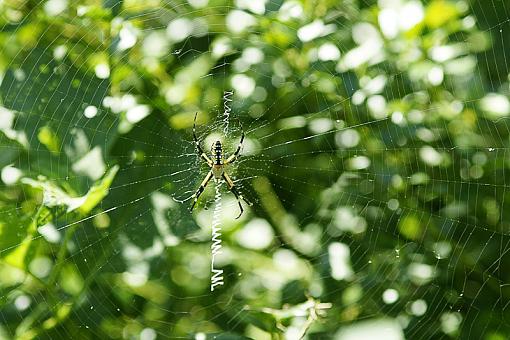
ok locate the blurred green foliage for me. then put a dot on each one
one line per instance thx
(376, 153)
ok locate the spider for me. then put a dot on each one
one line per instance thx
(217, 165)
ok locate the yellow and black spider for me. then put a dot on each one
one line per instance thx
(217, 165)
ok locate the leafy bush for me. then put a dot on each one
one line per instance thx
(376, 156)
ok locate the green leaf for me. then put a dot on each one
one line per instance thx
(98, 191)
(13, 229)
(226, 336)
(17, 250)
(54, 196)
(439, 12)
(410, 227)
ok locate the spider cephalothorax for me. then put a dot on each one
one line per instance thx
(217, 165)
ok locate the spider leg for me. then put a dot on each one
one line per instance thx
(234, 156)
(197, 144)
(201, 189)
(231, 187)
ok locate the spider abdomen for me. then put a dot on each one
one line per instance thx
(218, 153)
(218, 164)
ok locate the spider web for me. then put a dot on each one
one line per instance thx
(375, 156)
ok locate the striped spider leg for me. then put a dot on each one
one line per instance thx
(239, 197)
